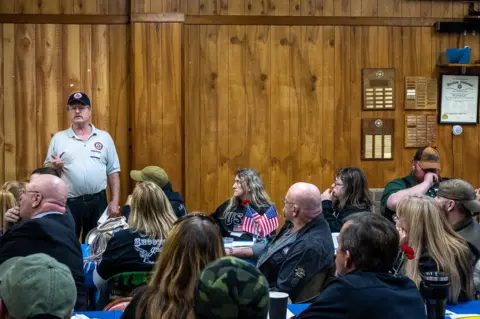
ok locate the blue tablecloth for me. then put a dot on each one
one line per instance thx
(471, 307)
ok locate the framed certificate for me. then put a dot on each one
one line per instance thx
(458, 99)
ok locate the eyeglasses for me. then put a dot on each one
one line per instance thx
(286, 202)
(24, 191)
(77, 107)
(338, 184)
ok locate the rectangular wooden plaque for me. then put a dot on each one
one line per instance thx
(421, 93)
(378, 89)
(420, 130)
(377, 139)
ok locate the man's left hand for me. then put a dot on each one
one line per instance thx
(113, 209)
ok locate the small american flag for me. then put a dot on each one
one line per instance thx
(268, 222)
(250, 221)
(257, 224)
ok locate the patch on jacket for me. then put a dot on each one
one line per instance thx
(299, 272)
(285, 250)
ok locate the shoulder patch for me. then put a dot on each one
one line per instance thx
(299, 272)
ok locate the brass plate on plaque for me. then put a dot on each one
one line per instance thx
(378, 89)
(420, 130)
(420, 93)
(377, 139)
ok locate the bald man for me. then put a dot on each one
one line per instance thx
(44, 228)
(297, 260)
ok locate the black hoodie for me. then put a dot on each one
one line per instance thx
(359, 295)
(335, 219)
(175, 200)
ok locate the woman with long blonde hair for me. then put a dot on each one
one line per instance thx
(437, 247)
(14, 187)
(7, 201)
(247, 186)
(193, 242)
(137, 248)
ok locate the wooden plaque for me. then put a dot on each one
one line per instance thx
(420, 130)
(377, 139)
(378, 89)
(420, 93)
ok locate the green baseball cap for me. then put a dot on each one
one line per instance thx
(460, 191)
(152, 174)
(230, 288)
(37, 285)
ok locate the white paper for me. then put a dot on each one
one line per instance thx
(238, 244)
(335, 240)
(236, 234)
(453, 315)
(104, 217)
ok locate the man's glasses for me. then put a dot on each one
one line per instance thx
(77, 107)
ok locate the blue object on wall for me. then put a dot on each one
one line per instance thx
(459, 55)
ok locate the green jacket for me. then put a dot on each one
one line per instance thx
(398, 185)
(469, 229)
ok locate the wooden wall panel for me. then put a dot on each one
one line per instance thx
(41, 66)
(156, 110)
(365, 8)
(113, 7)
(307, 82)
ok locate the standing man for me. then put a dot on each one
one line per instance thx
(422, 180)
(87, 157)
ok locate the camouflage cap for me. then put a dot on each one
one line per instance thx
(230, 288)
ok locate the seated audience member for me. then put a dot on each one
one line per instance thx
(303, 248)
(367, 248)
(7, 202)
(14, 187)
(158, 176)
(458, 201)
(248, 186)
(437, 247)
(137, 248)
(350, 195)
(422, 180)
(193, 243)
(46, 229)
(13, 213)
(231, 288)
(36, 286)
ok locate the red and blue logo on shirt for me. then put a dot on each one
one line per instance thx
(98, 146)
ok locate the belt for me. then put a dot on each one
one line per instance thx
(88, 197)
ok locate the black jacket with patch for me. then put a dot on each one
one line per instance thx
(293, 264)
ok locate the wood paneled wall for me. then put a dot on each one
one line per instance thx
(287, 101)
(41, 66)
(365, 8)
(65, 6)
(206, 100)
(157, 98)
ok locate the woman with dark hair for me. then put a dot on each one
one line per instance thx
(247, 188)
(192, 244)
(348, 195)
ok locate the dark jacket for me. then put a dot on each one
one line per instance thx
(174, 198)
(335, 219)
(427, 264)
(365, 295)
(232, 221)
(469, 229)
(291, 265)
(53, 235)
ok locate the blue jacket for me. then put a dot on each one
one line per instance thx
(366, 295)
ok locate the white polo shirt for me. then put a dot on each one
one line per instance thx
(87, 164)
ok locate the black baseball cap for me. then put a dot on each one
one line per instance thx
(79, 97)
